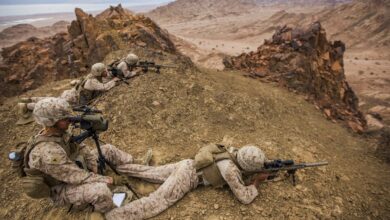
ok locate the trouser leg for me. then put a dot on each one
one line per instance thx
(112, 154)
(155, 174)
(96, 194)
(181, 181)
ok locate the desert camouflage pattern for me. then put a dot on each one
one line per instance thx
(125, 70)
(250, 158)
(233, 177)
(153, 174)
(180, 178)
(50, 110)
(229, 171)
(71, 96)
(93, 84)
(80, 187)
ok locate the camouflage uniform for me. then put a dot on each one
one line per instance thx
(93, 83)
(231, 168)
(125, 67)
(70, 95)
(81, 187)
(178, 179)
(248, 158)
(78, 187)
(125, 70)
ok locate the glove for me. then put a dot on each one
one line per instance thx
(119, 180)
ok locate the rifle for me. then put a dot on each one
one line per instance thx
(118, 74)
(93, 123)
(272, 168)
(145, 65)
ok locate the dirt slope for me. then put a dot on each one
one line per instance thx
(179, 111)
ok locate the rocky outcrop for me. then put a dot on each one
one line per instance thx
(304, 60)
(89, 39)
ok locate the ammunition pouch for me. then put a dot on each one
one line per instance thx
(205, 162)
(35, 186)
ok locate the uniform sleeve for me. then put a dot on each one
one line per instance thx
(95, 85)
(51, 159)
(233, 177)
(125, 70)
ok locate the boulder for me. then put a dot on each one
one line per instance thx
(304, 61)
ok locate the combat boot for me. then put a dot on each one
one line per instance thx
(146, 159)
(25, 115)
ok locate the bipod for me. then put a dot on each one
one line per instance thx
(102, 162)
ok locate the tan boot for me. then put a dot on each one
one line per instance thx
(25, 115)
(147, 158)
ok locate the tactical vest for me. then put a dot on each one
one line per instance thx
(206, 162)
(85, 95)
(37, 184)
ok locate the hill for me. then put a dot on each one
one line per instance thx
(21, 32)
(32, 63)
(188, 10)
(360, 24)
(179, 111)
(185, 10)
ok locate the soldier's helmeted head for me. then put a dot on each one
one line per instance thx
(98, 69)
(49, 111)
(251, 158)
(131, 59)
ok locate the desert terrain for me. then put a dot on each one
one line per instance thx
(209, 36)
(202, 101)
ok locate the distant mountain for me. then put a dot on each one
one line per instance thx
(12, 2)
(301, 2)
(359, 24)
(21, 32)
(185, 10)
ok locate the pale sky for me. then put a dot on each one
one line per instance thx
(10, 2)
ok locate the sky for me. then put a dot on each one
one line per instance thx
(38, 7)
(12, 2)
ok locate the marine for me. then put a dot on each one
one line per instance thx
(84, 91)
(51, 171)
(215, 165)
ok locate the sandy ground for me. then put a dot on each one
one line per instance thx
(176, 113)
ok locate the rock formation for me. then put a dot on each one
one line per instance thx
(306, 62)
(34, 62)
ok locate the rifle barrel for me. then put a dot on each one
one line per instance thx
(296, 166)
(316, 164)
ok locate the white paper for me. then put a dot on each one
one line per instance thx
(118, 198)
